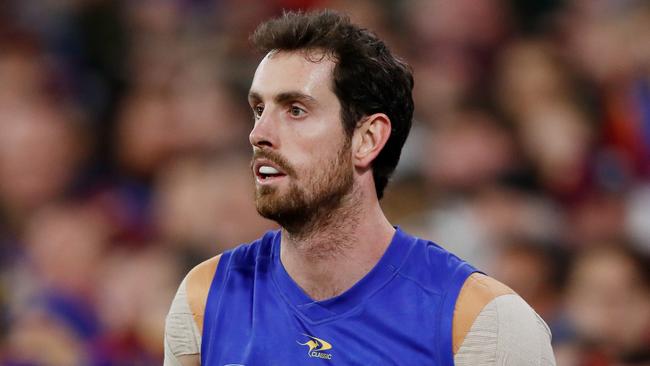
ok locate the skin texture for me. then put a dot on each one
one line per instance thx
(307, 133)
(297, 131)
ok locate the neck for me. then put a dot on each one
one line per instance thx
(331, 255)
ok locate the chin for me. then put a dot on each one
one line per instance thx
(273, 212)
(269, 202)
(287, 209)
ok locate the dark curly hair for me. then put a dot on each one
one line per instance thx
(367, 77)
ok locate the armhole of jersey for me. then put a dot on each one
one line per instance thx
(211, 303)
(444, 336)
(477, 292)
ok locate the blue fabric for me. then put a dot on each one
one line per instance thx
(400, 313)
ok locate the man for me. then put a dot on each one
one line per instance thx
(338, 284)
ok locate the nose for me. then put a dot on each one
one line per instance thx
(263, 133)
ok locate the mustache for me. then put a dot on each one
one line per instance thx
(275, 158)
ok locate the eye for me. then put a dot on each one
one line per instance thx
(257, 111)
(296, 111)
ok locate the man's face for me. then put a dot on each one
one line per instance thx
(301, 161)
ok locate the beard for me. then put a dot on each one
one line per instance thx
(302, 208)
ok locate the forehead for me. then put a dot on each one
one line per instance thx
(307, 72)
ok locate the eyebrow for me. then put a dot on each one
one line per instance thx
(283, 97)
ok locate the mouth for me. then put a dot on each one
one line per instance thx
(267, 172)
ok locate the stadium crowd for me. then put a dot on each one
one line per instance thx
(124, 161)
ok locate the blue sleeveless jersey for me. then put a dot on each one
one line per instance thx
(400, 313)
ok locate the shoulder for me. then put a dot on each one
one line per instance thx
(432, 265)
(198, 282)
(199, 279)
(184, 321)
(491, 322)
(477, 291)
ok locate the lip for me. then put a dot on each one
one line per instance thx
(260, 178)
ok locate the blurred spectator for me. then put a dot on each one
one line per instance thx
(477, 226)
(64, 246)
(536, 271)
(608, 301)
(124, 160)
(57, 344)
(131, 303)
(52, 305)
(530, 73)
(145, 135)
(467, 149)
(207, 206)
(598, 217)
(557, 139)
(41, 150)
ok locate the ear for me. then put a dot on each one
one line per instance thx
(369, 138)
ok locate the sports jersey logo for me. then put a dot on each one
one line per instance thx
(316, 346)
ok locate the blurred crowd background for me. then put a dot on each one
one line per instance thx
(124, 161)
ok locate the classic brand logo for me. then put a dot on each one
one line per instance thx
(316, 346)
